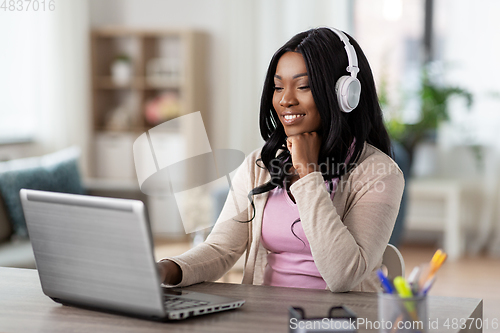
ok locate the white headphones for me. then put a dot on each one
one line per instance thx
(348, 88)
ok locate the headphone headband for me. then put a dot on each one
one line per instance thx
(351, 53)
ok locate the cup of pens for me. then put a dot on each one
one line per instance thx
(397, 314)
(402, 307)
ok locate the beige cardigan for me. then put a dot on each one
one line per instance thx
(347, 236)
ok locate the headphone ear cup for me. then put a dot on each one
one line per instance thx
(348, 90)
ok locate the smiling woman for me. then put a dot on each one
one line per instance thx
(294, 104)
(324, 192)
(292, 99)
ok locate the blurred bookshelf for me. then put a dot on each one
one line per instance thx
(140, 78)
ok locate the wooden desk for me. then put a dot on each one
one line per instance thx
(24, 308)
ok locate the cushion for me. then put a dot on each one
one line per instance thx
(56, 172)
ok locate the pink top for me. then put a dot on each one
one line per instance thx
(290, 262)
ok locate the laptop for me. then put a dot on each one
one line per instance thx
(97, 253)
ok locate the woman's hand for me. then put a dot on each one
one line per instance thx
(304, 149)
(170, 272)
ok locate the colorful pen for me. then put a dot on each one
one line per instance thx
(404, 291)
(402, 287)
(413, 280)
(427, 286)
(386, 284)
(436, 262)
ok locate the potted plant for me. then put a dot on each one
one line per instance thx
(121, 70)
(434, 100)
(405, 137)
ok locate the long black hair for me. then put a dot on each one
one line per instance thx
(326, 61)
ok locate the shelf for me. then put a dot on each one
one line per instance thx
(175, 58)
(160, 86)
(101, 184)
(120, 31)
(106, 83)
(177, 62)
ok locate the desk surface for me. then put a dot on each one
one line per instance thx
(24, 308)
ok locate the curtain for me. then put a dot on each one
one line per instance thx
(65, 71)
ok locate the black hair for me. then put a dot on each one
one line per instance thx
(326, 61)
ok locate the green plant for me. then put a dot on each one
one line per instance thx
(434, 99)
(122, 57)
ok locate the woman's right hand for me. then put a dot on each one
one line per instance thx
(304, 150)
(170, 272)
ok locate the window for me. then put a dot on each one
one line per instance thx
(390, 33)
(20, 80)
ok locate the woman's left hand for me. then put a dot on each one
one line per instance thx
(304, 149)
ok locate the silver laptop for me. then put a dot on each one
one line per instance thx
(97, 253)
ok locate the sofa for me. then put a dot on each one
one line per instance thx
(58, 172)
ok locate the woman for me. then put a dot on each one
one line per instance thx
(324, 193)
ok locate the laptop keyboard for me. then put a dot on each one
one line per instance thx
(177, 303)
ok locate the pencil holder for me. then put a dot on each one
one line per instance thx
(400, 315)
